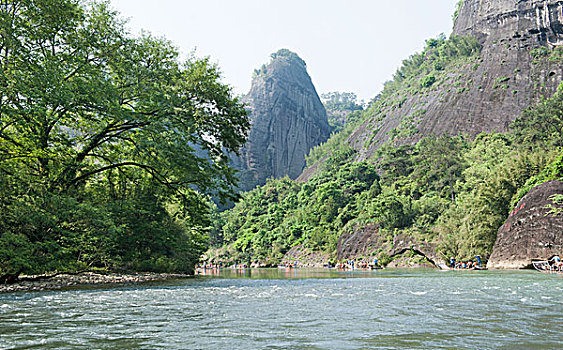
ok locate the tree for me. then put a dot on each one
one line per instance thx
(542, 122)
(342, 108)
(394, 162)
(497, 171)
(107, 124)
(341, 101)
(81, 99)
(438, 164)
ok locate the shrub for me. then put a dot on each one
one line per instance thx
(427, 81)
(15, 253)
(539, 52)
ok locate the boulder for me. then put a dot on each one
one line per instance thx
(359, 241)
(366, 241)
(530, 232)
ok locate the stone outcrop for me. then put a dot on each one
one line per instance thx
(365, 241)
(486, 94)
(529, 21)
(404, 243)
(359, 241)
(305, 257)
(288, 119)
(529, 232)
(62, 280)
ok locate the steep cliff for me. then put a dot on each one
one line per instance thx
(519, 59)
(459, 86)
(288, 119)
(530, 232)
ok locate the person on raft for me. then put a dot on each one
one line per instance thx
(478, 260)
(556, 263)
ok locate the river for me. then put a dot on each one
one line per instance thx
(296, 309)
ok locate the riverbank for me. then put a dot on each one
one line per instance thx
(86, 279)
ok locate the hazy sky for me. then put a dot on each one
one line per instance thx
(348, 45)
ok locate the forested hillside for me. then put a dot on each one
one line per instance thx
(100, 133)
(111, 145)
(435, 160)
(451, 191)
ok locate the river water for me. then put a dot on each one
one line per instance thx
(297, 309)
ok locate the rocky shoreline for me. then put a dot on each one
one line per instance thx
(86, 279)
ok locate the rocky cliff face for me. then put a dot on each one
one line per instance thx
(520, 61)
(288, 119)
(529, 232)
(359, 241)
(485, 94)
(529, 21)
(367, 242)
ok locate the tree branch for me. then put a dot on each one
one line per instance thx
(96, 141)
(161, 178)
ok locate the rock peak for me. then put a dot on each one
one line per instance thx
(288, 119)
(291, 56)
(519, 63)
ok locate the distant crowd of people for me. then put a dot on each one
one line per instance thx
(346, 265)
(288, 264)
(555, 265)
(467, 264)
(220, 265)
(209, 266)
(351, 264)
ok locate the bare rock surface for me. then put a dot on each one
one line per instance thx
(288, 119)
(366, 241)
(360, 241)
(482, 95)
(497, 89)
(305, 257)
(529, 232)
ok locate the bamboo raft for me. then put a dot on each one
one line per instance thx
(545, 267)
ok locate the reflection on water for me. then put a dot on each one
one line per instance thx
(296, 309)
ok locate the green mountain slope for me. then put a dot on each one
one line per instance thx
(424, 166)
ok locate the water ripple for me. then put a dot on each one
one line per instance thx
(391, 310)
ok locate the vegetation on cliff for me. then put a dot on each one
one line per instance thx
(108, 143)
(420, 74)
(452, 191)
(342, 108)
